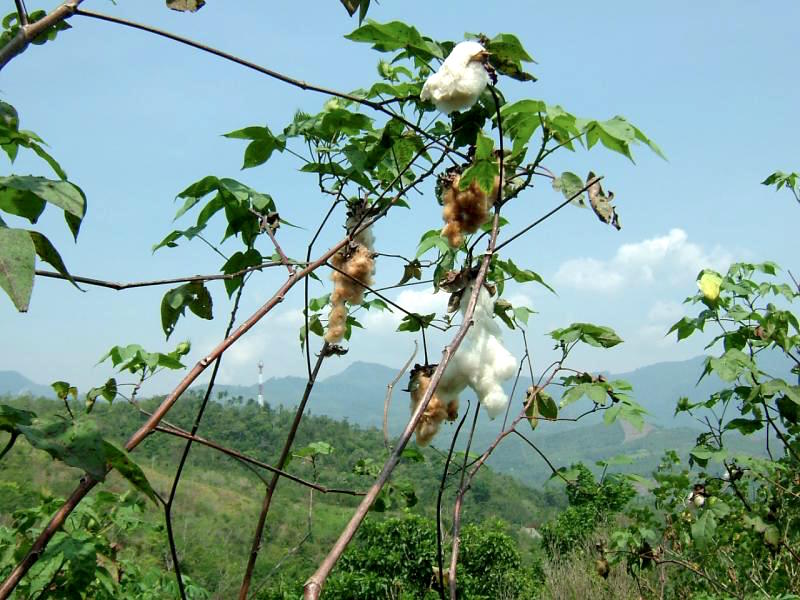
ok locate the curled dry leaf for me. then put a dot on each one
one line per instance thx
(186, 5)
(601, 203)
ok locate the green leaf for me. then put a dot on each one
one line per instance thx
(413, 455)
(521, 314)
(77, 443)
(594, 335)
(263, 144)
(64, 389)
(395, 35)
(239, 261)
(506, 55)
(48, 253)
(117, 458)
(414, 322)
(25, 195)
(569, 184)
(11, 418)
(703, 529)
(108, 391)
(17, 264)
(193, 296)
(431, 239)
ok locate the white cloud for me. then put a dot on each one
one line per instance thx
(665, 312)
(670, 259)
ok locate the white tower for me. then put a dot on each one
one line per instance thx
(261, 383)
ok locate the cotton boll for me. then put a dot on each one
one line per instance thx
(356, 265)
(459, 81)
(465, 210)
(481, 362)
(337, 323)
(438, 408)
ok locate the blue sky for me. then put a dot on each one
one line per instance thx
(134, 119)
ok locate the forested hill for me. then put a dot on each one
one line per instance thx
(219, 499)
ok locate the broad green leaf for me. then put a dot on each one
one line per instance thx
(569, 184)
(108, 391)
(24, 195)
(703, 529)
(263, 144)
(11, 418)
(117, 458)
(395, 35)
(193, 296)
(48, 253)
(17, 263)
(594, 335)
(414, 322)
(483, 172)
(78, 443)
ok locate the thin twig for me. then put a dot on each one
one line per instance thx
(549, 214)
(303, 85)
(388, 397)
(177, 432)
(439, 495)
(386, 299)
(88, 482)
(138, 284)
(28, 32)
(287, 446)
(188, 446)
(313, 586)
(21, 12)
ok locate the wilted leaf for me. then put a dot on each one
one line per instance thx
(601, 203)
(186, 5)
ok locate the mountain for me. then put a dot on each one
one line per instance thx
(356, 395)
(15, 384)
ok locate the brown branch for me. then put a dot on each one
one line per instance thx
(137, 284)
(287, 446)
(30, 31)
(21, 12)
(178, 432)
(388, 397)
(313, 586)
(89, 482)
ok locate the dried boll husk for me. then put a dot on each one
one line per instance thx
(436, 411)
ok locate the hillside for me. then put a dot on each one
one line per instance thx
(218, 501)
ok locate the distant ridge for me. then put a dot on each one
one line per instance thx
(13, 383)
(357, 393)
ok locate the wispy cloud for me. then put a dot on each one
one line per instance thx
(670, 259)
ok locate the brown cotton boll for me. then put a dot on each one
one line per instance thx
(452, 231)
(464, 210)
(337, 323)
(434, 413)
(452, 410)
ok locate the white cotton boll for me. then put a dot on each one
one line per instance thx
(481, 362)
(459, 81)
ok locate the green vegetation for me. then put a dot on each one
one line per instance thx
(85, 517)
(221, 496)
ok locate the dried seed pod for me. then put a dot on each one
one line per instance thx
(437, 409)
(465, 210)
